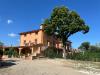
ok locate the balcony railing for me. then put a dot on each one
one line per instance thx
(30, 44)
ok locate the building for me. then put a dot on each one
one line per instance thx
(33, 43)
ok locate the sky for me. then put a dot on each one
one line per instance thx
(24, 15)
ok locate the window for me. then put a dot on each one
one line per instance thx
(36, 33)
(30, 33)
(29, 42)
(24, 42)
(24, 35)
(35, 41)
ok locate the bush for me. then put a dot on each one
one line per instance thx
(86, 56)
(1, 53)
(52, 52)
(12, 52)
(94, 48)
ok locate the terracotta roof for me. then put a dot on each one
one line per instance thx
(33, 31)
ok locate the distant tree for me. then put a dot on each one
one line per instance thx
(98, 44)
(1, 53)
(94, 48)
(1, 50)
(10, 52)
(63, 23)
(85, 46)
(1, 43)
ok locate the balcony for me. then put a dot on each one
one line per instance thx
(30, 44)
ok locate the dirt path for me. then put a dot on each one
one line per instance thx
(38, 67)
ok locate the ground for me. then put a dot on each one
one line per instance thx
(40, 67)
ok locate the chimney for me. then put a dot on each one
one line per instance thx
(41, 26)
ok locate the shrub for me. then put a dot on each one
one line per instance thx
(94, 48)
(1, 53)
(15, 53)
(52, 52)
(86, 56)
(12, 52)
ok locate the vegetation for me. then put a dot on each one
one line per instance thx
(1, 53)
(1, 43)
(63, 23)
(92, 54)
(52, 52)
(86, 56)
(12, 52)
(94, 48)
(1, 50)
(85, 46)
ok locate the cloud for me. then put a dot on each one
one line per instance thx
(12, 35)
(9, 21)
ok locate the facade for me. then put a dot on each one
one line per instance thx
(34, 42)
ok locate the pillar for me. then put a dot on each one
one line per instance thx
(20, 52)
(32, 51)
(39, 51)
(3, 50)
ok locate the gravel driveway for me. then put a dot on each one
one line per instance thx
(38, 67)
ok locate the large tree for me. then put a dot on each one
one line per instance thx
(63, 23)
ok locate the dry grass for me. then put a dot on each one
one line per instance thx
(88, 66)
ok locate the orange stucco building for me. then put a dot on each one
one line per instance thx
(34, 42)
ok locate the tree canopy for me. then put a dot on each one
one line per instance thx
(63, 23)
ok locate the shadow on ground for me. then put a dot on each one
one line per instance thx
(7, 63)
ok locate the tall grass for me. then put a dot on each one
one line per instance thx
(86, 56)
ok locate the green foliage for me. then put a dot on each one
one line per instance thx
(1, 43)
(94, 48)
(85, 46)
(12, 52)
(91, 53)
(63, 23)
(86, 56)
(52, 52)
(6, 52)
(1, 52)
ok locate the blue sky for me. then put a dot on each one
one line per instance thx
(24, 15)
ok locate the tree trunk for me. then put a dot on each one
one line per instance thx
(64, 52)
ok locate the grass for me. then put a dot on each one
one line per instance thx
(88, 66)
